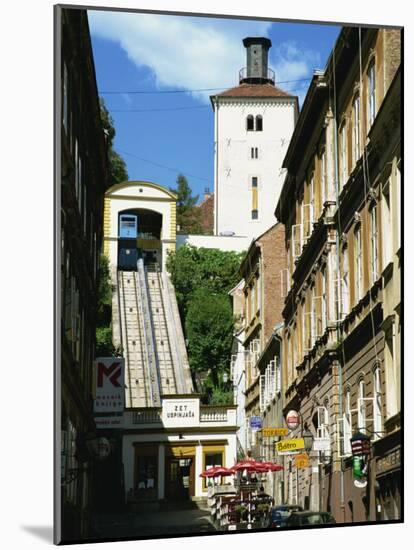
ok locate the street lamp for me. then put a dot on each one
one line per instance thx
(308, 438)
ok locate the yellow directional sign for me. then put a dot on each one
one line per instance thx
(289, 446)
(271, 432)
(302, 461)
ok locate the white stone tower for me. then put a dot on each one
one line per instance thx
(253, 125)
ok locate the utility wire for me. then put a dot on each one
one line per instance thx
(187, 91)
(164, 166)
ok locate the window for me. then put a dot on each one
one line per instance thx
(386, 224)
(259, 123)
(356, 130)
(371, 94)
(361, 405)
(254, 181)
(254, 153)
(343, 156)
(374, 243)
(255, 214)
(250, 123)
(324, 178)
(345, 282)
(358, 263)
(377, 402)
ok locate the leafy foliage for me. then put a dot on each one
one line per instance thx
(202, 279)
(193, 268)
(188, 215)
(209, 329)
(104, 345)
(117, 168)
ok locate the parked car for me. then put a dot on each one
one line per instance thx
(298, 519)
(279, 514)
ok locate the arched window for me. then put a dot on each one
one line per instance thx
(361, 405)
(259, 123)
(250, 123)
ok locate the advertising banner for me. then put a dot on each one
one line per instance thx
(109, 385)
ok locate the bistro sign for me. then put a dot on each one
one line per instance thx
(290, 446)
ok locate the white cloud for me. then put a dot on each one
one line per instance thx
(182, 52)
(195, 52)
(294, 63)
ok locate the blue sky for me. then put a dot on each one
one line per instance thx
(168, 127)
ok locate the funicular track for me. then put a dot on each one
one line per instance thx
(150, 338)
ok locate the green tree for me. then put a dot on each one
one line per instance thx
(193, 268)
(209, 330)
(104, 345)
(117, 168)
(188, 215)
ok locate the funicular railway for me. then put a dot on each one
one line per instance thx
(150, 330)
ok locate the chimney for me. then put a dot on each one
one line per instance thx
(257, 70)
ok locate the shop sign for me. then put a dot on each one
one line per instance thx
(388, 462)
(290, 446)
(321, 444)
(274, 432)
(256, 422)
(292, 420)
(109, 390)
(302, 461)
(180, 412)
(109, 421)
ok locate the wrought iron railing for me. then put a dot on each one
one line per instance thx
(243, 75)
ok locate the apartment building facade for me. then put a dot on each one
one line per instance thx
(81, 184)
(256, 359)
(340, 208)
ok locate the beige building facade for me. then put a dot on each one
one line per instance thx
(340, 206)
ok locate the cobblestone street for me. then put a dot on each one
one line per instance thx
(150, 524)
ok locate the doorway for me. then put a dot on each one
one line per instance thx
(179, 478)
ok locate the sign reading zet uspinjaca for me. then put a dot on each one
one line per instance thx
(271, 432)
(289, 446)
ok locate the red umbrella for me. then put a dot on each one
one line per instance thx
(210, 472)
(246, 464)
(221, 471)
(272, 467)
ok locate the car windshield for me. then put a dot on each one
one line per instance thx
(313, 519)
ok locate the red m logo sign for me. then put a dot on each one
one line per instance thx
(113, 373)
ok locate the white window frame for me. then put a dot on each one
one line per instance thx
(386, 223)
(362, 420)
(371, 93)
(324, 178)
(377, 402)
(358, 263)
(374, 242)
(307, 217)
(343, 155)
(356, 142)
(297, 240)
(345, 283)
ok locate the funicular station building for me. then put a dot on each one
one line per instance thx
(168, 437)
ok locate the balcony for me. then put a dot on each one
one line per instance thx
(246, 78)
